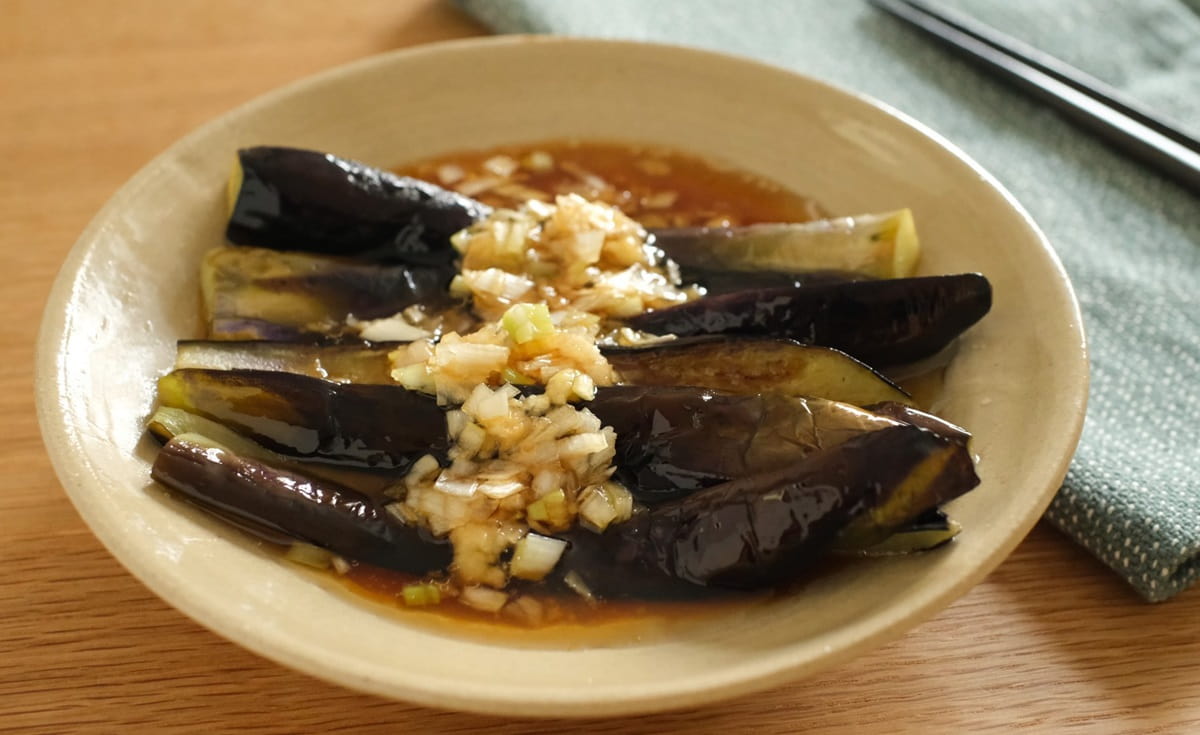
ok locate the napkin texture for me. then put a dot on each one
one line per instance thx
(1129, 238)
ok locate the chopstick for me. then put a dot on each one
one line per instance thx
(1085, 100)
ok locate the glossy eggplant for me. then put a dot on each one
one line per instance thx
(375, 426)
(254, 293)
(282, 502)
(293, 199)
(730, 364)
(884, 322)
(755, 365)
(874, 245)
(671, 441)
(767, 528)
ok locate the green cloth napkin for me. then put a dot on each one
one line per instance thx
(1129, 239)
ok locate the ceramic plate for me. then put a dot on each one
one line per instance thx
(129, 289)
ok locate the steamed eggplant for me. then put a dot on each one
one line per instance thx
(730, 364)
(764, 529)
(378, 427)
(751, 365)
(292, 199)
(874, 245)
(670, 440)
(884, 322)
(319, 512)
(254, 293)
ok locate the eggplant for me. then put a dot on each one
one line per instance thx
(354, 362)
(372, 426)
(671, 441)
(293, 199)
(764, 529)
(730, 364)
(874, 245)
(755, 365)
(885, 322)
(297, 295)
(319, 512)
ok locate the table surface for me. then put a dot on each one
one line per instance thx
(1051, 641)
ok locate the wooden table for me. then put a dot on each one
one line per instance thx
(91, 91)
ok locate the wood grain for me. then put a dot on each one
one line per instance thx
(1051, 642)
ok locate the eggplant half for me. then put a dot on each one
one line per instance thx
(280, 502)
(370, 426)
(764, 529)
(755, 365)
(254, 293)
(873, 245)
(886, 322)
(730, 364)
(293, 199)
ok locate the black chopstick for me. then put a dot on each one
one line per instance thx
(1085, 100)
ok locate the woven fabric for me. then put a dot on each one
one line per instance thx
(1129, 239)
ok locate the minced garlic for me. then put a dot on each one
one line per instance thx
(576, 254)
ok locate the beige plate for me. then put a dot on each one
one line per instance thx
(128, 291)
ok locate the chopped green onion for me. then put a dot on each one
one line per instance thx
(418, 595)
(527, 322)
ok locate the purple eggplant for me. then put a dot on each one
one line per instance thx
(253, 293)
(885, 322)
(276, 502)
(293, 199)
(373, 426)
(767, 528)
(755, 365)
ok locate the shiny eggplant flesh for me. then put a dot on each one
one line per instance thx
(671, 441)
(886, 322)
(292, 199)
(873, 245)
(350, 362)
(765, 529)
(374, 426)
(247, 289)
(930, 530)
(755, 365)
(318, 512)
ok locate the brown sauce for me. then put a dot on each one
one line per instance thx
(654, 185)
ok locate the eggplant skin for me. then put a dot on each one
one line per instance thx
(319, 512)
(294, 199)
(884, 322)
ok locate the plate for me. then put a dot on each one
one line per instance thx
(129, 289)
